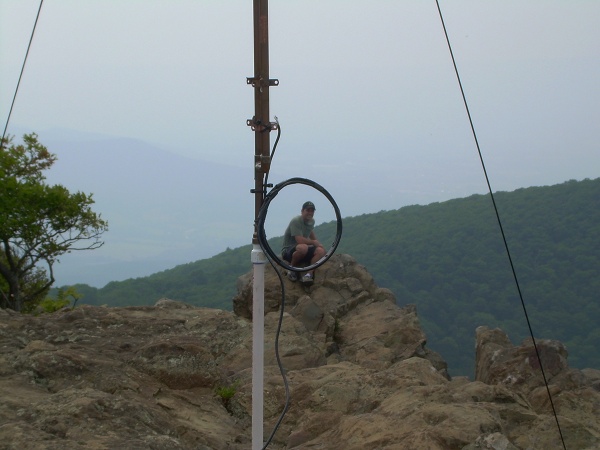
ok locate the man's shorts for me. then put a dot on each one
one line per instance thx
(287, 255)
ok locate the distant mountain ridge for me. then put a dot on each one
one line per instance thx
(163, 209)
(449, 260)
(166, 209)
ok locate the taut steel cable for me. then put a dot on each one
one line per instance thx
(21, 74)
(514, 273)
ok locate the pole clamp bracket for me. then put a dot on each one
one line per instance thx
(259, 82)
(257, 125)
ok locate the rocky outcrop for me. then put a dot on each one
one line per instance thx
(173, 376)
(345, 311)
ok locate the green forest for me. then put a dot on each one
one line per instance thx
(449, 259)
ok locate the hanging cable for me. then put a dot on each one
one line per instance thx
(274, 259)
(280, 322)
(266, 185)
(278, 358)
(21, 74)
(514, 273)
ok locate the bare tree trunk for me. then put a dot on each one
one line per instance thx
(12, 299)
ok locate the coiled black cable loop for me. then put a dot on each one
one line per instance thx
(262, 216)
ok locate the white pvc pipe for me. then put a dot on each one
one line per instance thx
(258, 345)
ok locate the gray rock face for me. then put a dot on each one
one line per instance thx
(173, 376)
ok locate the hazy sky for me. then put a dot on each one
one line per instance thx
(360, 85)
(367, 96)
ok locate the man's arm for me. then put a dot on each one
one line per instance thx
(311, 240)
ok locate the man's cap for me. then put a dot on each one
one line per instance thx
(308, 205)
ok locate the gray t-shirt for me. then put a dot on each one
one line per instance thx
(297, 227)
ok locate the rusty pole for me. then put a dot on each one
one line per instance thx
(262, 127)
(260, 123)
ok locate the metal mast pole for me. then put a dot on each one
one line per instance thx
(260, 122)
(262, 127)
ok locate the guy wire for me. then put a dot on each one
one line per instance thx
(500, 225)
(21, 74)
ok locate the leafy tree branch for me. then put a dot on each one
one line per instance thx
(39, 223)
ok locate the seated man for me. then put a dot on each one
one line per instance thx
(300, 245)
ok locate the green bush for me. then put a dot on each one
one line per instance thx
(64, 296)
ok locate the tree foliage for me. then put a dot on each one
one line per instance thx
(38, 224)
(64, 297)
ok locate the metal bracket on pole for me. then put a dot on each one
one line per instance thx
(257, 125)
(260, 82)
(262, 164)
